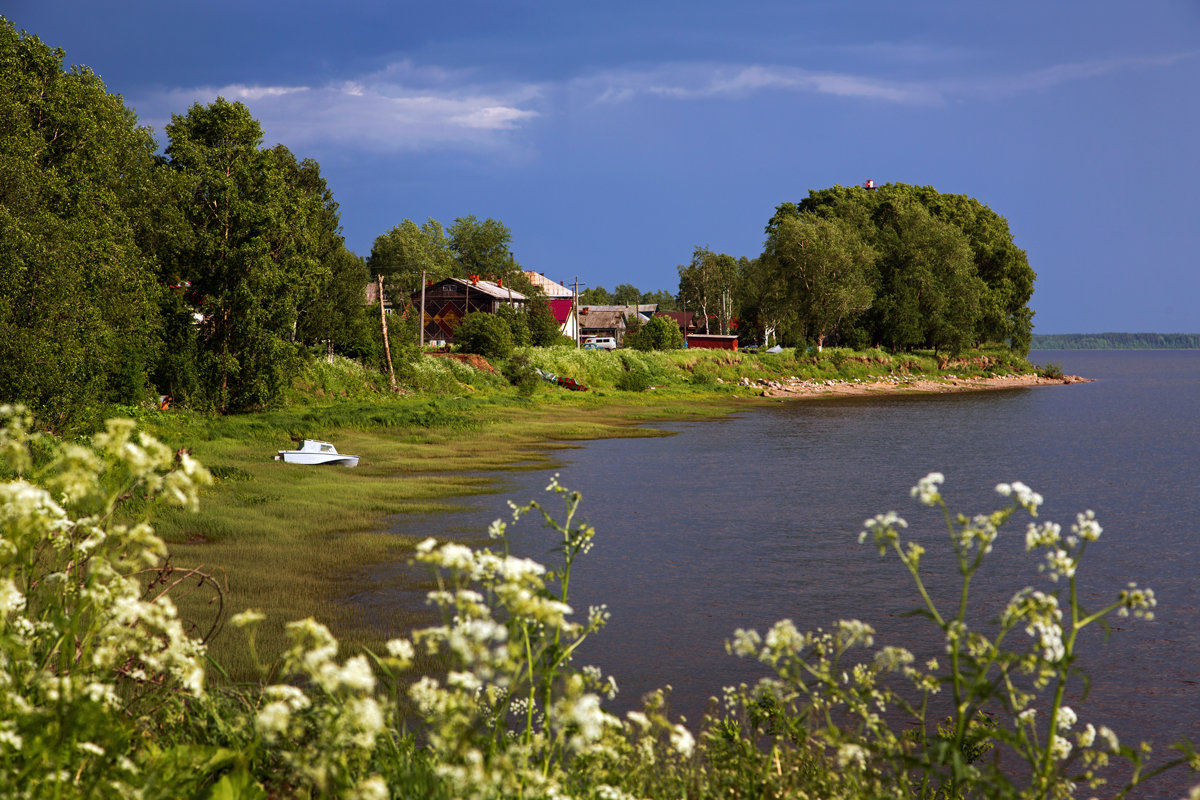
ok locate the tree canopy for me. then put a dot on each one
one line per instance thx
(124, 273)
(950, 274)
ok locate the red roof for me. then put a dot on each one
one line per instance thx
(561, 308)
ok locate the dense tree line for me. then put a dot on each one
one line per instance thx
(1116, 341)
(202, 272)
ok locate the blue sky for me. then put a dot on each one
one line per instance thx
(614, 137)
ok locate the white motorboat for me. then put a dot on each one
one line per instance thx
(314, 452)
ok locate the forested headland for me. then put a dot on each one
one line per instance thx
(210, 268)
(1116, 341)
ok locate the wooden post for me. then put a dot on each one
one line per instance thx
(422, 309)
(387, 346)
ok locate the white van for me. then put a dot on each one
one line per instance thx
(599, 343)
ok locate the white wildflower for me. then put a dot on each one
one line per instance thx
(682, 741)
(272, 719)
(1060, 747)
(851, 754)
(372, 788)
(1066, 718)
(928, 489)
(247, 617)
(1086, 526)
(401, 649)
(745, 642)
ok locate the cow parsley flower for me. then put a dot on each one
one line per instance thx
(1066, 718)
(928, 489)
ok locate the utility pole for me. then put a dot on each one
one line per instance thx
(422, 323)
(575, 310)
(387, 347)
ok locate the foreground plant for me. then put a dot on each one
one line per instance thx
(92, 659)
(1006, 685)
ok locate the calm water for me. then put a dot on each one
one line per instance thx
(743, 521)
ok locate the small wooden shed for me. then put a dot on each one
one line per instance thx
(712, 341)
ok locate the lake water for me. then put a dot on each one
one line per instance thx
(745, 520)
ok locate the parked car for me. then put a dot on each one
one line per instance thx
(599, 343)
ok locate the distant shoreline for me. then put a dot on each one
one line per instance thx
(1116, 341)
(901, 386)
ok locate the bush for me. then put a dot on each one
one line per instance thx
(485, 334)
(1051, 370)
(522, 374)
(660, 333)
(633, 381)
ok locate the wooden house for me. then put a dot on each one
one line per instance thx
(447, 301)
(601, 323)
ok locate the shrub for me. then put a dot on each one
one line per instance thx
(485, 334)
(633, 381)
(522, 374)
(660, 333)
(1051, 370)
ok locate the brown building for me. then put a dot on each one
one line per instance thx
(451, 299)
(712, 341)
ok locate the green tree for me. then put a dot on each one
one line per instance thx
(930, 293)
(79, 213)
(518, 324)
(1001, 306)
(661, 298)
(407, 250)
(826, 268)
(253, 252)
(482, 248)
(596, 296)
(708, 284)
(485, 334)
(660, 333)
(763, 300)
(543, 327)
(626, 294)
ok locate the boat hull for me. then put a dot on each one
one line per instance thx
(317, 453)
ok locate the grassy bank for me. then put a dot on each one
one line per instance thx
(293, 542)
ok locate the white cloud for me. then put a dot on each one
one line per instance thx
(399, 109)
(698, 81)
(705, 81)
(411, 108)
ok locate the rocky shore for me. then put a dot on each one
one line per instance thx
(795, 387)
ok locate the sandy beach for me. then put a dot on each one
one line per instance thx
(796, 387)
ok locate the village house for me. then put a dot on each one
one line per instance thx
(562, 303)
(447, 301)
(611, 320)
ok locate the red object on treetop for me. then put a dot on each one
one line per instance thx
(869, 184)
